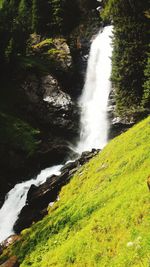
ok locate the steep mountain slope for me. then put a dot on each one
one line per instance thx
(102, 216)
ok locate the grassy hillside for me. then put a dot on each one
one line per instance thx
(102, 216)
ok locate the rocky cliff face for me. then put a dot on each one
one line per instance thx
(51, 106)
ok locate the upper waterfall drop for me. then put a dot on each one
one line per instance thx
(94, 99)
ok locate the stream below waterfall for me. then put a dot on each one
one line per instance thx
(93, 127)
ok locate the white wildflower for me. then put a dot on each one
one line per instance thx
(130, 244)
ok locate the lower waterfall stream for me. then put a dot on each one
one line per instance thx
(93, 128)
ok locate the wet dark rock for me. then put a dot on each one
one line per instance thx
(86, 156)
(118, 128)
(52, 107)
(38, 198)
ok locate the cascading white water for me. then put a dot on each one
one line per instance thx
(94, 126)
(16, 199)
(94, 99)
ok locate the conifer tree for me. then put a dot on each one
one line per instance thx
(41, 16)
(131, 39)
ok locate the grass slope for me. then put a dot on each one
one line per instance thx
(102, 216)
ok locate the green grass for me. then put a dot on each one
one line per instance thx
(102, 216)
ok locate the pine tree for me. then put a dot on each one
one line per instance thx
(24, 14)
(131, 39)
(41, 15)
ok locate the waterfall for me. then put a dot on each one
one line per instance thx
(94, 126)
(16, 198)
(94, 99)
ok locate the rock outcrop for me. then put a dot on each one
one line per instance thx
(52, 107)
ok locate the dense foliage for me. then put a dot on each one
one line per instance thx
(101, 218)
(131, 74)
(20, 18)
(15, 134)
